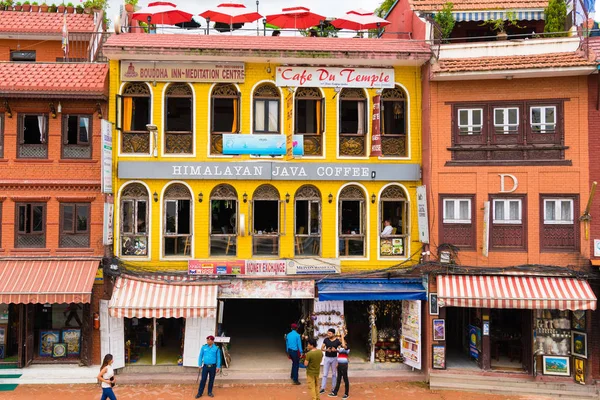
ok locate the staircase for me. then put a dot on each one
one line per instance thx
(511, 385)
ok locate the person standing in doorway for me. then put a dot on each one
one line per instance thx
(329, 346)
(313, 368)
(293, 345)
(342, 370)
(209, 363)
(107, 378)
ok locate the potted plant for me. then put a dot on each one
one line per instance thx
(35, 7)
(445, 21)
(9, 5)
(499, 25)
(130, 5)
(18, 6)
(52, 8)
(87, 7)
(61, 8)
(556, 16)
(70, 8)
(26, 6)
(79, 9)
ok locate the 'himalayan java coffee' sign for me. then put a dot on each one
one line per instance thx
(335, 77)
(142, 71)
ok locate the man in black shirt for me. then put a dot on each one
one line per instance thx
(330, 345)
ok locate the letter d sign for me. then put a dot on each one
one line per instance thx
(502, 187)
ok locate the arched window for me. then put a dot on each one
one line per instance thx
(225, 114)
(352, 217)
(393, 214)
(179, 105)
(178, 221)
(266, 220)
(267, 102)
(394, 127)
(134, 220)
(307, 221)
(353, 122)
(308, 117)
(135, 115)
(223, 221)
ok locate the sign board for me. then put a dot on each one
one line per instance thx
(596, 247)
(486, 228)
(156, 71)
(313, 266)
(106, 131)
(422, 214)
(309, 266)
(216, 267)
(334, 77)
(266, 267)
(289, 128)
(376, 128)
(107, 231)
(99, 279)
(268, 170)
(263, 289)
(262, 144)
(411, 333)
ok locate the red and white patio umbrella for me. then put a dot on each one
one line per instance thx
(358, 20)
(162, 13)
(295, 18)
(231, 13)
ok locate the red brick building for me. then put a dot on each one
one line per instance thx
(52, 101)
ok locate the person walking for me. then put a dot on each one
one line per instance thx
(329, 346)
(342, 370)
(293, 345)
(209, 362)
(107, 378)
(313, 368)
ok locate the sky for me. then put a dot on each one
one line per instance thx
(328, 8)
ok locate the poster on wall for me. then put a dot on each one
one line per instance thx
(439, 356)
(72, 338)
(106, 130)
(47, 341)
(579, 370)
(474, 339)
(411, 333)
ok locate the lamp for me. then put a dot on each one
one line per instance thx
(155, 195)
(287, 197)
(98, 110)
(330, 197)
(7, 107)
(59, 108)
(200, 197)
(245, 197)
(52, 110)
(373, 198)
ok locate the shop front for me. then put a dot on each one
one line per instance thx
(531, 325)
(45, 314)
(381, 318)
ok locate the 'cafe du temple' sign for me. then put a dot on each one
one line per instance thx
(335, 77)
(143, 71)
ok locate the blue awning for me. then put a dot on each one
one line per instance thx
(371, 289)
(466, 16)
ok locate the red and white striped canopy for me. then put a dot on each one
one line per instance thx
(145, 298)
(515, 292)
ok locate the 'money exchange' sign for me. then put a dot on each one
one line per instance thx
(335, 77)
(142, 71)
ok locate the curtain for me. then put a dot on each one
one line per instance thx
(234, 122)
(514, 210)
(449, 208)
(127, 113)
(318, 116)
(464, 210)
(259, 115)
(361, 118)
(565, 213)
(499, 210)
(273, 116)
(42, 127)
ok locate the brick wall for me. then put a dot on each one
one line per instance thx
(45, 50)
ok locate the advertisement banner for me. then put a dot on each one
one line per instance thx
(376, 128)
(411, 333)
(313, 266)
(106, 131)
(422, 214)
(334, 77)
(262, 144)
(155, 71)
(474, 339)
(216, 267)
(266, 267)
(262, 289)
(289, 128)
(107, 231)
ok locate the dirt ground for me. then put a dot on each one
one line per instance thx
(379, 391)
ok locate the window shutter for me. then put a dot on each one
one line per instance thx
(119, 112)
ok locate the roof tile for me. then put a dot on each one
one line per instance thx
(23, 22)
(477, 5)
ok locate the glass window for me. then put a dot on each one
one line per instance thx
(309, 119)
(266, 109)
(75, 225)
(457, 211)
(353, 117)
(134, 220)
(77, 136)
(543, 119)
(223, 221)
(507, 211)
(506, 120)
(393, 235)
(351, 222)
(307, 220)
(558, 211)
(31, 225)
(394, 126)
(470, 121)
(179, 138)
(135, 115)
(266, 221)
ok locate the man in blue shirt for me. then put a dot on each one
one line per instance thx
(294, 348)
(209, 362)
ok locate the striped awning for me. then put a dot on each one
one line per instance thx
(47, 281)
(162, 298)
(515, 292)
(492, 15)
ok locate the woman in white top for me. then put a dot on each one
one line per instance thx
(107, 378)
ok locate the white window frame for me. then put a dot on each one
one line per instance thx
(506, 206)
(470, 126)
(558, 212)
(542, 124)
(456, 202)
(505, 125)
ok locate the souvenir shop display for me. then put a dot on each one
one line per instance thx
(385, 340)
(552, 332)
(327, 315)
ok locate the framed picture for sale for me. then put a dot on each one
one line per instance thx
(439, 329)
(556, 365)
(434, 308)
(579, 344)
(579, 370)
(439, 356)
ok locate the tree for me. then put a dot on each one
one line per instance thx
(556, 16)
(384, 7)
(445, 20)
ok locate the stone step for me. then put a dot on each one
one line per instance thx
(507, 389)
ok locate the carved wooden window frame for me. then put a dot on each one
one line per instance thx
(392, 96)
(450, 230)
(550, 229)
(134, 193)
(267, 93)
(223, 91)
(65, 132)
(21, 135)
(518, 227)
(312, 195)
(20, 233)
(171, 137)
(74, 231)
(225, 192)
(133, 90)
(354, 193)
(175, 193)
(346, 139)
(313, 141)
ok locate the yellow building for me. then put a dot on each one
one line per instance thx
(206, 134)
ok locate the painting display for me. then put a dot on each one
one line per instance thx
(72, 338)
(578, 320)
(556, 365)
(579, 344)
(439, 356)
(434, 308)
(59, 350)
(439, 329)
(579, 370)
(48, 339)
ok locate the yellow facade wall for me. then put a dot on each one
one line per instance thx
(407, 77)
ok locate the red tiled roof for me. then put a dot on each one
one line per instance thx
(21, 22)
(476, 5)
(548, 60)
(264, 43)
(77, 80)
(594, 46)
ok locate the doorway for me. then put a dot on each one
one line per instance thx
(9, 334)
(510, 334)
(459, 352)
(166, 333)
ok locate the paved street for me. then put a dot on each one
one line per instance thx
(379, 391)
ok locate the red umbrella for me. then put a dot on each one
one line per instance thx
(231, 13)
(163, 13)
(296, 18)
(358, 20)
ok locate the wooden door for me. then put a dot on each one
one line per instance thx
(29, 333)
(21, 335)
(86, 335)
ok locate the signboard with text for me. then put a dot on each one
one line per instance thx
(106, 131)
(308, 266)
(376, 128)
(289, 129)
(262, 144)
(422, 218)
(334, 77)
(149, 71)
(265, 289)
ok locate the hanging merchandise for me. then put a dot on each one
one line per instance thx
(411, 333)
(327, 315)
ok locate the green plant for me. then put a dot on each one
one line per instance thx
(87, 4)
(446, 20)
(499, 25)
(18, 3)
(70, 5)
(384, 7)
(35, 3)
(52, 8)
(26, 3)
(132, 2)
(556, 16)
